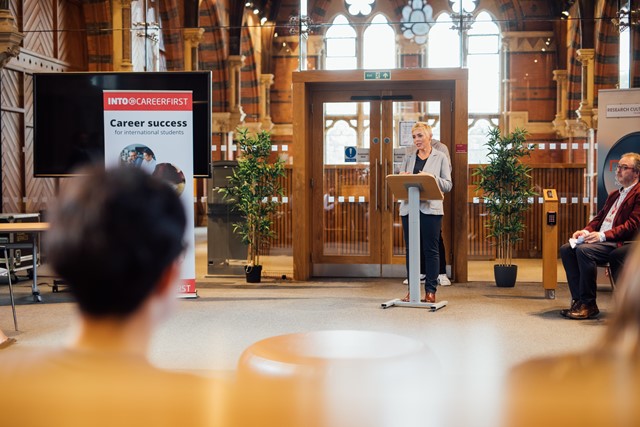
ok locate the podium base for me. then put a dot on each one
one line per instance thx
(432, 306)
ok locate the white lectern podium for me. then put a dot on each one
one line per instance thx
(414, 188)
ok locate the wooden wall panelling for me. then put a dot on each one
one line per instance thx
(39, 191)
(15, 6)
(69, 40)
(12, 141)
(11, 162)
(12, 89)
(52, 43)
(39, 20)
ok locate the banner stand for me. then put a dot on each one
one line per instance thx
(153, 131)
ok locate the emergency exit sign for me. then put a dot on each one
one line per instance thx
(377, 75)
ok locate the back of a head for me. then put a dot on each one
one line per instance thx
(113, 233)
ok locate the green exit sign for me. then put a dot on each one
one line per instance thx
(377, 75)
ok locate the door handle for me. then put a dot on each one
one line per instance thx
(386, 187)
(375, 189)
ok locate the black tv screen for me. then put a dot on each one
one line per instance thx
(68, 115)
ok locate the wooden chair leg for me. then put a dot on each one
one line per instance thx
(610, 276)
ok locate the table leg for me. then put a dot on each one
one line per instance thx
(34, 287)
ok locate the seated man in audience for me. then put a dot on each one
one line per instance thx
(617, 222)
(125, 282)
(594, 388)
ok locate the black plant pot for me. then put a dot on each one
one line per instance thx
(505, 275)
(253, 273)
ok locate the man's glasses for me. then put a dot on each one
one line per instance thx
(624, 167)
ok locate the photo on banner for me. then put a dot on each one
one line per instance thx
(153, 131)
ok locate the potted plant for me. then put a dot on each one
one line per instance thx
(505, 185)
(251, 187)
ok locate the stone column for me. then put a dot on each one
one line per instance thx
(192, 38)
(266, 80)
(235, 63)
(10, 36)
(559, 124)
(121, 11)
(585, 111)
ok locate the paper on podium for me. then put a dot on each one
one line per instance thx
(426, 183)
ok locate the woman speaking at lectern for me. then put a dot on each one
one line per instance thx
(425, 160)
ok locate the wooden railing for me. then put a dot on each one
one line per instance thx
(566, 179)
(347, 228)
(282, 218)
(346, 225)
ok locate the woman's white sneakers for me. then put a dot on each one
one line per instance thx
(443, 280)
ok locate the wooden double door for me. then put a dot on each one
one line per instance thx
(359, 137)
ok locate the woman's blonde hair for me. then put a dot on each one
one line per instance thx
(422, 125)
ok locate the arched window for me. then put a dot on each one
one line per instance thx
(443, 49)
(340, 45)
(483, 61)
(461, 36)
(342, 131)
(379, 44)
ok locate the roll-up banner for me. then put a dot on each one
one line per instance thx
(618, 133)
(153, 130)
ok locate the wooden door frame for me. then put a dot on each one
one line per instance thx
(317, 146)
(304, 82)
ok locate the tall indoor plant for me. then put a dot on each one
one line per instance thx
(251, 187)
(505, 184)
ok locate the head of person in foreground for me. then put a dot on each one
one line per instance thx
(115, 238)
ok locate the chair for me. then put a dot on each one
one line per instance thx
(607, 271)
(322, 378)
(8, 273)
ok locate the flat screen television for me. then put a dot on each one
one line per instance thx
(68, 113)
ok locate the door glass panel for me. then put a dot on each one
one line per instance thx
(404, 115)
(346, 179)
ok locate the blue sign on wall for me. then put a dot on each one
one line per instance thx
(350, 154)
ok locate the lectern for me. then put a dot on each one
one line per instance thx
(414, 188)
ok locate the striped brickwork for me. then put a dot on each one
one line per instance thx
(607, 59)
(574, 67)
(172, 35)
(249, 80)
(97, 15)
(213, 53)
